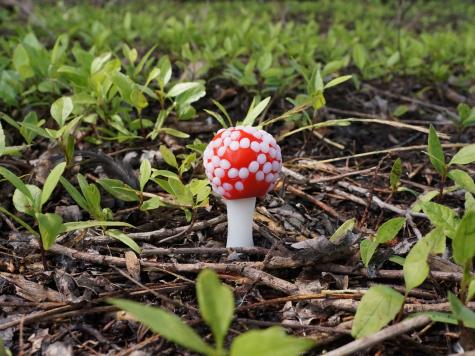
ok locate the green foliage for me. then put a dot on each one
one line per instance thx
(377, 308)
(416, 268)
(166, 324)
(385, 233)
(436, 153)
(29, 199)
(465, 155)
(395, 175)
(442, 216)
(343, 230)
(464, 240)
(269, 342)
(466, 117)
(461, 312)
(216, 304)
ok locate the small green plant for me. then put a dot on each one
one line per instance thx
(465, 118)
(464, 156)
(3, 350)
(395, 176)
(385, 233)
(187, 197)
(29, 199)
(216, 305)
(88, 199)
(372, 314)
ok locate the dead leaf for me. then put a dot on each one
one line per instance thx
(133, 265)
(322, 250)
(37, 338)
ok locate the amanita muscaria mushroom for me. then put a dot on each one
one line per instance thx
(242, 163)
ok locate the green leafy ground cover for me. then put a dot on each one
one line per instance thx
(106, 109)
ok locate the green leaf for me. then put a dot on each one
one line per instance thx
(438, 317)
(154, 73)
(216, 304)
(218, 118)
(461, 312)
(395, 175)
(145, 173)
(138, 100)
(416, 268)
(436, 153)
(360, 56)
(465, 155)
(337, 81)
(463, 111)
(393, 59)
(118, 189)
(168, 156)
(3, 350)
(316, 82)
(224, 111)
(50, 225)
(21, 62)
(61, 109)
(343, 230)
(367, 250)
(142, 62)
(389, 229)
(79, 225)
(464, 242)
(422, 199)
(255, 111)
(377, 308)
(16, 182)
(124, 238)
(469, 202)
(168, 325)
(51, 182)
(462, 179)
(400, 110)
(99, 62)
(441, 216)
(151, 204)
(471, 290)
(173, 132)
(398, 260)
(74, 193)
(269, 342)
(180, 88)
(181, 192)
(165, 71)
(24, 204)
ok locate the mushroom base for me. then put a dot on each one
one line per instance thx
(240, 216)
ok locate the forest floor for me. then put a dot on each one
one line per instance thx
(295, 277)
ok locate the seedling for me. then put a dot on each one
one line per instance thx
(464, 156)
(216, 305)
(30, 199)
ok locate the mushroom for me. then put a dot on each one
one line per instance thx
(242, 163)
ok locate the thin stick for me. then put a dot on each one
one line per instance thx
(203, 251)
(321, 205)
(387, 274)
(387, 333)
(389, 150)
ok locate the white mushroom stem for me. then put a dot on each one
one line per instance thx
(240, 213)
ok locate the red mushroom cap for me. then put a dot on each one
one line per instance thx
(242, 162)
